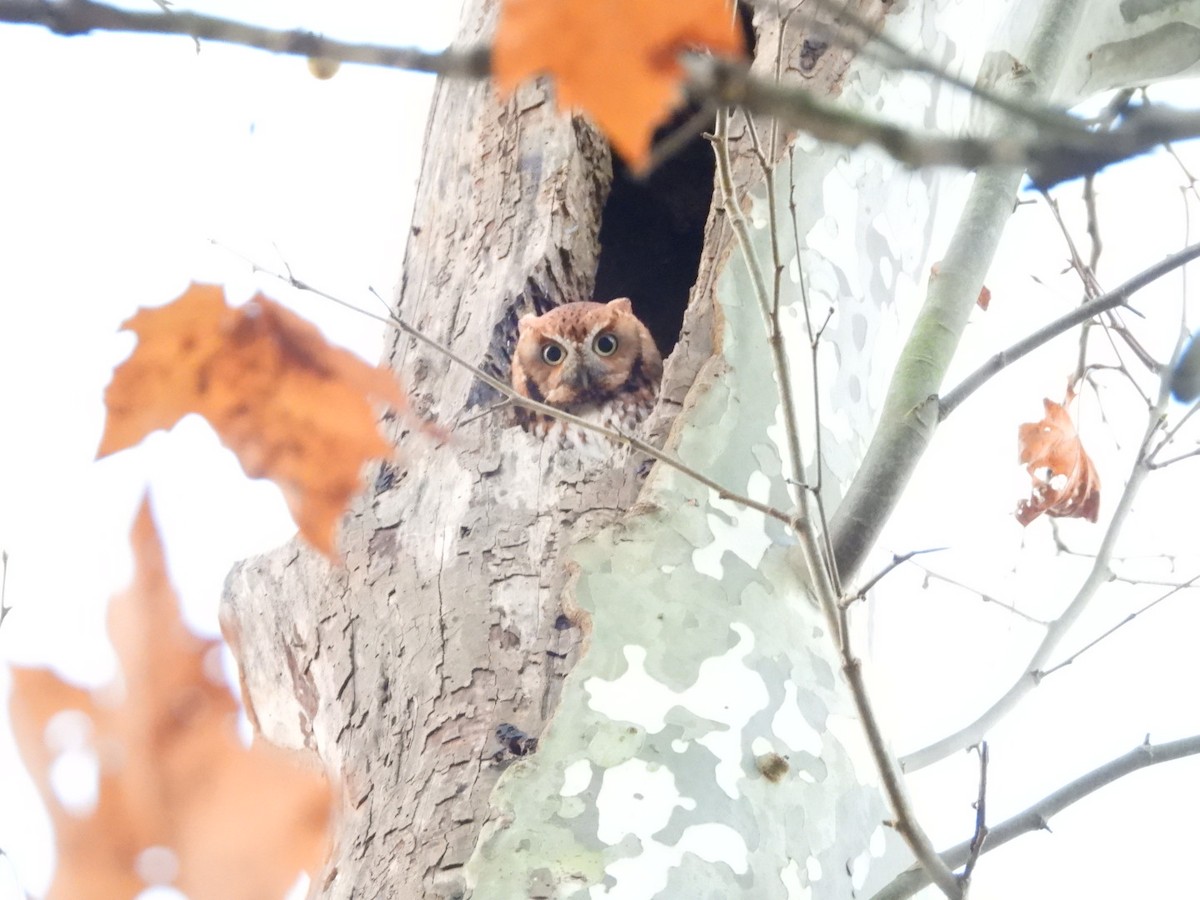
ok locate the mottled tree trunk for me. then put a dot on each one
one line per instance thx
(457, 609)
(695, 736)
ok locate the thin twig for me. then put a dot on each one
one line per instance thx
(768, 174)
(75, 17)
(906, 823)
(870, 38)
(1171, 433)
(810, 501)
(1093, 221)
(1050, 155)
(814, 338)
(1170, 461)
(898, 559)
(908, 418)
(494, 408)
(1036, 817)
(1153, 582)
(641, 446)
(982, 595)
(817, 562)
(741, 230)
(979, 838)
(1175, 589)
(814, 342)
(1091, 288)
(674, 143)
(952, 399)
(1057, 149)
(1059, 628)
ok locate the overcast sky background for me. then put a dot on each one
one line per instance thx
(122, 156)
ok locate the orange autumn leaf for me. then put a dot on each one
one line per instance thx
(617, 59)
(293, 407)
(1065, 482)
(228, 822)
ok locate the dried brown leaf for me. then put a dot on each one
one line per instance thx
(241, 822)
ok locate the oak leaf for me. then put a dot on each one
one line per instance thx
(293, 408)
(233, 822)
(615, 59)
(1065, 481)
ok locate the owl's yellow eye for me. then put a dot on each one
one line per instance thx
(553, 354)
(605, 343)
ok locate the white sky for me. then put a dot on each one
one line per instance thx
(121, 157)
(941, 654)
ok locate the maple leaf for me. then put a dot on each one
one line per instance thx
(293, 408)
(240, 822)
(1065, 482)
(616, 59)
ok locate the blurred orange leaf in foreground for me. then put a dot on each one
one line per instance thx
(1065, 481)
(293, 407)
(616, 60)
(236, 823)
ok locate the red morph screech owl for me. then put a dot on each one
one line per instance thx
(593, 360)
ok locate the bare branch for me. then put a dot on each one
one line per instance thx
(1093, 221)
(512, 396)
(1050, 155)
(1162, 464)
(75, 17)
(1058, 629)
(1058, 148)
(1114, 298)
(906, 823)
(897, 560)
(817, 560)
(982, 595)
(768, 307)
(1175, 589)
(1035, 818)
(675, 142)
(871, 43)
(910, 412)
(1170, 436)
(981, 830)
(1087, 275)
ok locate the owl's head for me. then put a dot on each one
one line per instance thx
(580, 354)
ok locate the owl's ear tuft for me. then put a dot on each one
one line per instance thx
(621, 305)
(524, 322)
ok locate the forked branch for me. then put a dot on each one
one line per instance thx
(1053, 150)
(1036, 817)
(1037, 666)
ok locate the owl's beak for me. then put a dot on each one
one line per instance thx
(575, 372)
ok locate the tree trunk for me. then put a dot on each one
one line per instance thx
(695, 737)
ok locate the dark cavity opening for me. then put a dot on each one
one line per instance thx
(652, 228)
(652, 232)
